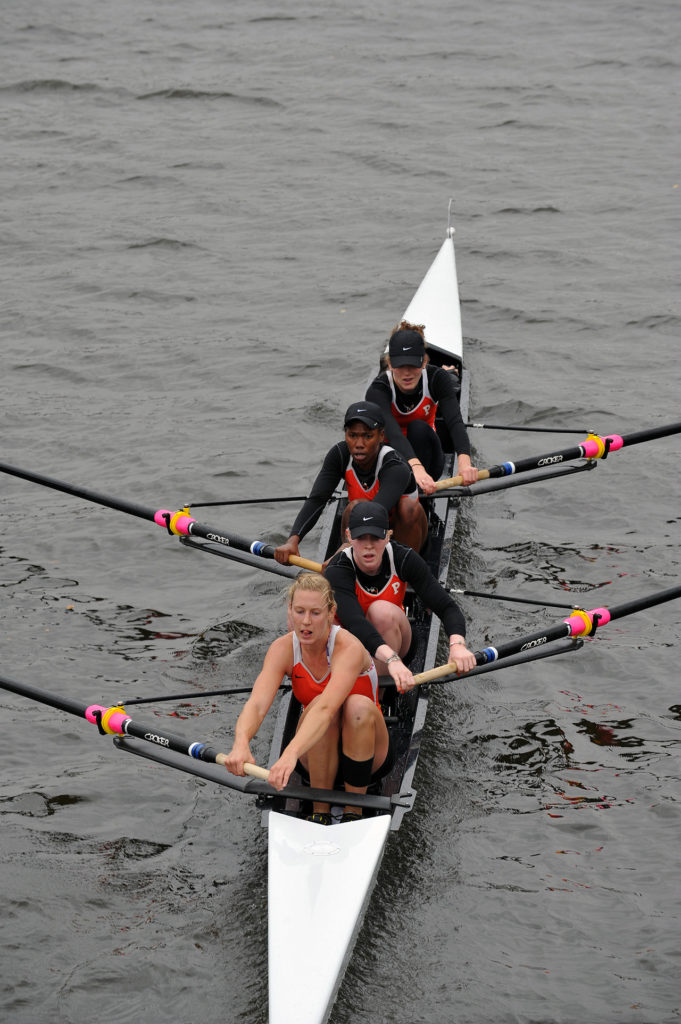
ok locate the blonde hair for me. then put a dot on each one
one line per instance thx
(312, 581)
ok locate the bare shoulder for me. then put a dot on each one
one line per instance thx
(348, 646)
(280, 652)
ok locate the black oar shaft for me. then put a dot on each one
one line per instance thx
(641, 603)
(132, 508)
(194, 696)
(246, 501)
(580, 623)
(651, 434)
(178, 523)
(588, 448)
(158, 744)
(507, 597)
(120, 723)
(593, 447)
(52, 700)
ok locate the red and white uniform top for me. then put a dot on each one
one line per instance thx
(392, 590)
(425, 410)
(353, 486)
(306, 686)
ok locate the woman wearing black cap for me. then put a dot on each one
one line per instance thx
(369, 579)
(371, 470)
(410, 393)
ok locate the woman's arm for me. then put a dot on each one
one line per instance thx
(327, 480)
(348, 661)
(276, 665)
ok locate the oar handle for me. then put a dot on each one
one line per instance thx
(436, 673)
(249, 769)
(456, 481)
(305, 563)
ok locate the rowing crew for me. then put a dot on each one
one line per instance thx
(334, 671)
(402, 403)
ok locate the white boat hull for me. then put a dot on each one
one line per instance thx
(321, 877)
(320, 880)
(436, 303)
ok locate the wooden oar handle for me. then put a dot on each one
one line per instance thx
(305, 563)
(249, 769)
(436, 673)
(456, 481)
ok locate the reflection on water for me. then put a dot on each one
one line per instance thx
(604, 734)
(555, 564)
(534, 747)
(37, 805)
(223, 639)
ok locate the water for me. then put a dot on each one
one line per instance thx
(213, 215)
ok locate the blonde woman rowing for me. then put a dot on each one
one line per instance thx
(341, 728)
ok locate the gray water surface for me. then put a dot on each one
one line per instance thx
(213, 214)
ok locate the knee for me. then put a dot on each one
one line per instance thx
(410, 511)
(418, 432)
(383, 615)
(357, 712)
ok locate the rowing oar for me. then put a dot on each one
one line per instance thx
(113, 721)
(594, 447)
(580, 623)
(158, 743)
(178, 523)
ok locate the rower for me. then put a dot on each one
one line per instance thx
(369, 580)
(410, 393)
(372, 470)
(334, 678)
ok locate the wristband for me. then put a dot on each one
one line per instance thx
(393, 657)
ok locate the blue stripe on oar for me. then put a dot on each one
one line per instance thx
(489, 654)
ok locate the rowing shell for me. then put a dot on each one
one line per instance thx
(321, 877)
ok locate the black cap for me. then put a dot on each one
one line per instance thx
(366, 412)
(406, 348)
(368, 517)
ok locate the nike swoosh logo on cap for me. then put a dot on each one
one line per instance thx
(367, 519)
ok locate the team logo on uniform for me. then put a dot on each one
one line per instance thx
(396, 586)
(426, 409)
